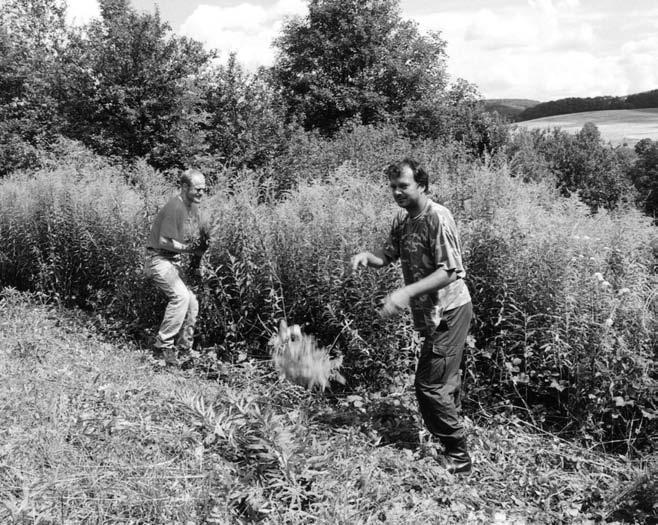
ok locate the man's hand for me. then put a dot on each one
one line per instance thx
(395, 303)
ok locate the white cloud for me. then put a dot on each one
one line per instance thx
(246, 29)
(638, 64)
(542, 49)
(79, 12)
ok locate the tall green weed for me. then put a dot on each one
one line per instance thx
(565, 311)
(565, 302)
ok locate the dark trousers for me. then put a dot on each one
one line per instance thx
(438, 375)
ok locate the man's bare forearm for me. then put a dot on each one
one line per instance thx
(435, 281)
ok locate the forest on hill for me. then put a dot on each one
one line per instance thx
(563, 106)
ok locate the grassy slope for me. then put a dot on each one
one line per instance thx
(618, 126)
(92, 431)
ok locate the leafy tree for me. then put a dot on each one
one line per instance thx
(644, 174)
(32, 36)
(129, 87)
(585, 165)
(457, 113)
(246, 119)
(355, 59)
(525, 157)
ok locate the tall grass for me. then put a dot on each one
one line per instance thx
(550, 339)
(92, 432)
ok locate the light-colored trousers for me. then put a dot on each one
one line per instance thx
(177, 327)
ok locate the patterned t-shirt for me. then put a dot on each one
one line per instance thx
(424, 244)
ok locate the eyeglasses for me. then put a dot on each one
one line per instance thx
(199, 190)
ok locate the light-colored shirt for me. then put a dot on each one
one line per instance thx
(424, 244)
(175, 221)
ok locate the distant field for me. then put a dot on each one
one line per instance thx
(625, 126)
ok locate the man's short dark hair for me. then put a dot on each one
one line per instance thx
(187, 175)
(421, 177)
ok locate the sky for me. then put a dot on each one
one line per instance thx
(531, 49)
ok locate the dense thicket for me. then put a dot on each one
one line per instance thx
(644, 174)
(581, 164)
(127, 88)
(564, 301)
(32, 35)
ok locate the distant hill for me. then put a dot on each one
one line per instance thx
(564, 106)
(509, 107)
(626, 126)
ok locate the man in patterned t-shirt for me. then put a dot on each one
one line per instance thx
(177, 229)
(424, 237)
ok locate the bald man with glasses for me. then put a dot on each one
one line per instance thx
(178, 229)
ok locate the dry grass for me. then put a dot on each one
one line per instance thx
(95, 432)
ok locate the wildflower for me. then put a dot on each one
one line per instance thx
(605, 284)
(598, 276)
(623, 291)
(608, 322)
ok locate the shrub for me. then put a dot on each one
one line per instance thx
(564, 301)
(565, 313)
(367, 149)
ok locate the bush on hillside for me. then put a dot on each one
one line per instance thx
(644, 174)
(580, 164)
(564, 309)
(367, 149)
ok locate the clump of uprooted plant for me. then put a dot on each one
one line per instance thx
(298, 358)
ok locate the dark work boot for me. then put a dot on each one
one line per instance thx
(456, 456)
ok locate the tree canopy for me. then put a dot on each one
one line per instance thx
(127, 86)
(355, 59)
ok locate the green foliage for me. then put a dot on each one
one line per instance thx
(644, 174)
(129, 88)
(245, 126)
(565, 310)
(78, 237)
(32, 35)
(549, 336)
(365, 149)
(579, 164)
(456, 114)
(355, 60)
